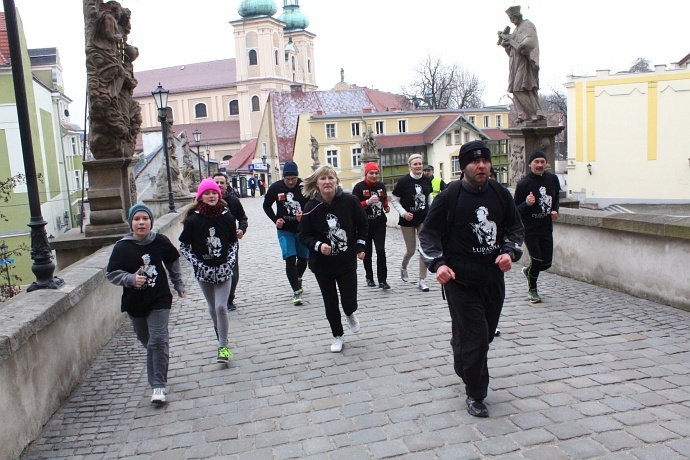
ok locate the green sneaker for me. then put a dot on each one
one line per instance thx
(301, 286)
(533, 296)
(297, 298)
(224, 355)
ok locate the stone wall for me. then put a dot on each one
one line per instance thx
(49, 338)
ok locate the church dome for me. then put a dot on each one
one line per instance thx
(293, 17)
(251, 8)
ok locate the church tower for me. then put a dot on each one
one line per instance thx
(270, 55)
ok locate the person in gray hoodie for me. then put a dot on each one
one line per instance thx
(138, 263)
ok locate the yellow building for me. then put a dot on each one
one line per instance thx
(626, 131)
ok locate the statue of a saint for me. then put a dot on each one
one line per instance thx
(522, 46)
(315, 150)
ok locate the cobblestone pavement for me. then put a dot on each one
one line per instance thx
(589, 373)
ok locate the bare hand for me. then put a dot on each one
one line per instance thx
(299, 216)
(182, 293)
(361, 255)
(239, 234)
(444, 274)
(139, 280)
(504, 262)
(409, 216)
(554, 215)
(373, 200)
(280, 223)
(530, 200)
(326, 249)
(387, 209)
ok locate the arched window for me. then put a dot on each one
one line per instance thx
(309, 65)
(200, 110)
(234, 107)
(293, 62)
(253, 59)
(276, 55)
(255, 104)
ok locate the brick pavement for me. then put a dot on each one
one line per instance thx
(589, 373)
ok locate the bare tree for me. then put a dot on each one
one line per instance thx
(641, 64)
(439, 85)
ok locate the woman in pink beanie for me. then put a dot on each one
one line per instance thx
(209, 241)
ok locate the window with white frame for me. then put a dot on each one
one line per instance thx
(456, 166)
(498, 121)
(255, 104)
(486, 121)
(356, 157)
(449, 139)
(332, 158)
(253, 57)
(402, 126)
(467, 137)
(456, 135)
(356, 129)
(264, 149)
(330, 131)
(472, 119)
(73, 144)
(200, 110)
(379, 127)
(77, 179)
(234, 107)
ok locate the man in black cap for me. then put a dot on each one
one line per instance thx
(470, 237)
(536, 197)
(437, 184)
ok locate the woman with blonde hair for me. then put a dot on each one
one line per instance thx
(334, 228)
(411, 197)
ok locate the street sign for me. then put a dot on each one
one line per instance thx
(6, 261)
(250, 166)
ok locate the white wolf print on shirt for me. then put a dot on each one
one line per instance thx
(336, 235)
(149, 271)
(419, 198)
(213, 243)
(486, 230)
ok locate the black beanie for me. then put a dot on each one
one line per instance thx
(536, 154)
(472, 150)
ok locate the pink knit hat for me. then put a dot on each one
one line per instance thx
(207, 184)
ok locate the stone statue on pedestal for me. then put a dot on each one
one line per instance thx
(522, 46)
(178, 185)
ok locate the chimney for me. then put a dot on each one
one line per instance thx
(366, 110)
(319, 112)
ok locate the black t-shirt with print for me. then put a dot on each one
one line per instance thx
(413, 194)
(210, 237)
(148, 261)
(289, 201)
(375, 212)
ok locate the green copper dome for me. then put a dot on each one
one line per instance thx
(292, 16)
(251, 8)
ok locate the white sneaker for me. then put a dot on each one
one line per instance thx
(403, 275)
(158, 396)
(353, 322)
(422, 286)
(337, 345)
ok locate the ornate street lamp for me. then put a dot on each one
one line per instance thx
(43, 266)
(160, 95)
(197, 139)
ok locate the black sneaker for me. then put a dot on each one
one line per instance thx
(232, 306)
(384, 286)
(370, 282)
(476, 407)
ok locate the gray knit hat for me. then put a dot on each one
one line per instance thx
(136, 208)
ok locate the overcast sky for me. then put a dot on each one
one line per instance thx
(379, 43)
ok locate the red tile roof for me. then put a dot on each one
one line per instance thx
(189, 77)
(495, 134)
(241, 159)
(385, 102)
(439, 126)
(4, 42)
(400, 140)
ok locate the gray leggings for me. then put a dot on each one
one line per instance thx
(152, 332)
(216, 296)
(410, 238)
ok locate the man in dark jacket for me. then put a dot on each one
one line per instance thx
(471, 236)
(536, 197)
(236, 209)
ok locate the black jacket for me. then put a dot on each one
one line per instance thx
(341, 224)
(236, 209)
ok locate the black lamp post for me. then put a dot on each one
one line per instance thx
(197, 139)
(208, 159)
(160, 95)
(43, 266)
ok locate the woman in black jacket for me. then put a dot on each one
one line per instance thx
(334, 228)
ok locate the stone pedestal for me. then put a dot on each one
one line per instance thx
(523, 141)
(112, 191)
